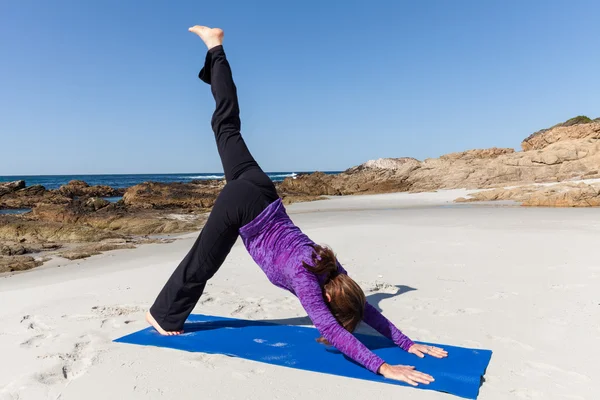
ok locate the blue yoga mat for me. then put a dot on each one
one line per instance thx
(461, 373)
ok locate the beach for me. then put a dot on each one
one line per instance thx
(522, 282)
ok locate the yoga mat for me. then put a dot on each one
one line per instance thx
(461, 373)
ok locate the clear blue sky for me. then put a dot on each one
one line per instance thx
(111, 86)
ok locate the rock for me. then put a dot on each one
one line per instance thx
(316, 184)
(154, 195)
(96, 203)
(30, 196)
(482, 168)
(96, 248)
(384, 163)
(477, 154)
(215, 183)
(20, 263)
(76, 188)
(559, 195)
(51, 246)
(12, 249)
(575, 128)
(21, 230)
(9, 187)
(115, 220)
(582, 195)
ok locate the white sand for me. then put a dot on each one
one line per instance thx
(520, 281)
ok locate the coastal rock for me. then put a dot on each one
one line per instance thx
(77, 188)
(12, 249)
(154, 195)
(96, 248)
(20, 263)
(477, 154)
(16, 229)
(9, 187)
(566, 153)
(96, 203)
(30, 196)
(394, 164)
(8, 248)
(315, 184)
(211, 183)
(575, 128)
(558, 195)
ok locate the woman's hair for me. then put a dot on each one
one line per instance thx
(347, 298)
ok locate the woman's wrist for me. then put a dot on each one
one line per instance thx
(383, 368)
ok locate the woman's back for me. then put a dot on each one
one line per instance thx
(277, 245)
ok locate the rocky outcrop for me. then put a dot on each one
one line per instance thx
(575, 128)
(9, 187)
(568, 151)
(17, 249)
(117, 219)
(316, 184)
(20, 263)
(77, 188)
(96, 248)
(21, 230)
(391, 164)
(558, 195)
(27, 197)
(154, 195)
(477, 154)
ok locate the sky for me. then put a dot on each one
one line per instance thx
(97, 87)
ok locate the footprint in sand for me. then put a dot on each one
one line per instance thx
(35, 341)
(116, 311)
(70, 365)
(249, 307)
(380, 287)
(41, 331)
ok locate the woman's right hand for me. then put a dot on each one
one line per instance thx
(405, 373)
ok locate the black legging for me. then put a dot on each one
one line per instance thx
(247, 193)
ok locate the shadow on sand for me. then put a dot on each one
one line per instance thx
(373, 299)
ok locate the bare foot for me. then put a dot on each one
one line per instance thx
(160, 330)
(212, 37)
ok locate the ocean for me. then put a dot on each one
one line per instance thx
(127, 180)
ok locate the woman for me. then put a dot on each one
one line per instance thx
(249, 206)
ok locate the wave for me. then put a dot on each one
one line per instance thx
(204, 177)
(275, 176)
(292, 175)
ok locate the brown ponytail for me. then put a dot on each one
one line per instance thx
(324, 262)
(348, 300)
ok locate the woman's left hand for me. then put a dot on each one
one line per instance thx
(420, 350)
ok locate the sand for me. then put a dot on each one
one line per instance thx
(520, 281)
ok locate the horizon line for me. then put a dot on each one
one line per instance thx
(169, 173)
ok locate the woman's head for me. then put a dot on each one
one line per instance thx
(343, 296)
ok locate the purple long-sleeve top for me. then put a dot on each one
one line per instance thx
(279, 247)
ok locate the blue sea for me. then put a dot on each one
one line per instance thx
(124, 181)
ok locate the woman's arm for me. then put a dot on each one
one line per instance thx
(384, 326)
(308, 291)
(381, 324)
